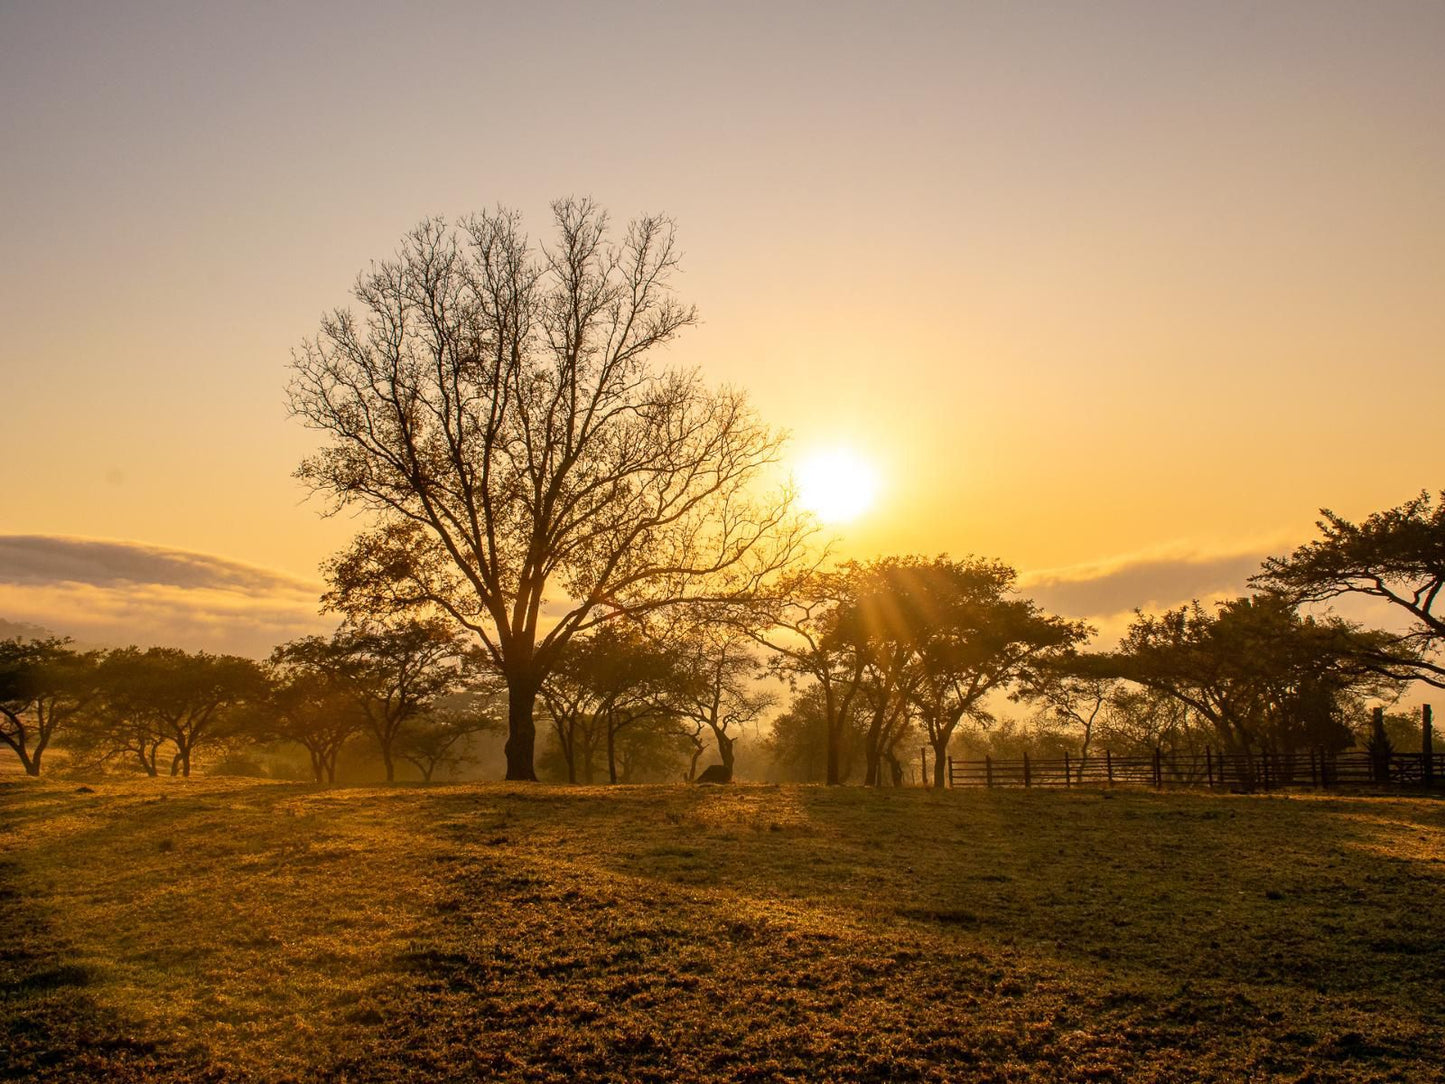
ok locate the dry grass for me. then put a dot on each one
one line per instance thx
(229, 930)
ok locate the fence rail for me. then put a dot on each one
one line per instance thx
(1252, 771)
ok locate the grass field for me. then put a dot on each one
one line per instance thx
(231, 930)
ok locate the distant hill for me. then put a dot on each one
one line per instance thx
(23, 630)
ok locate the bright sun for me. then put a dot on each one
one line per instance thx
(837, 485)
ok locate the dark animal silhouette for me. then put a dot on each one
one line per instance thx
(716, 773)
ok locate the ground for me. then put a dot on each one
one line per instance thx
(235, 930)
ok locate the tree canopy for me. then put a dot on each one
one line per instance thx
(1397, 556)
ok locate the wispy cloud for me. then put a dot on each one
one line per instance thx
(1106, 593)
(113, 592)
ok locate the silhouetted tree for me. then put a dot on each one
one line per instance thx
(44, 686)
(1397, 556)
(800, 626)
(1073, 693)
(974, 638)
(716, 688)
(393, 673)
(435, 738)
(804, 747)
(311, 704)
(1264, 678)
(165, 696)
(496, 409)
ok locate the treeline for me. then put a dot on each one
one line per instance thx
(879, 659)
(412, 691)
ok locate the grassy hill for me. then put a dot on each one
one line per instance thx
(226, 929)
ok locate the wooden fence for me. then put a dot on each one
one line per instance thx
(1250, 771)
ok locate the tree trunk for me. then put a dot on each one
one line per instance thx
(940, 768)
(611, 753)
(726, 752)
(835, 736)
(873, 776)
(386, 759)
(521, 730)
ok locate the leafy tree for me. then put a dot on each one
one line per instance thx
(45, 685)
(495, 407)
(973, 637)
(165, 696)
(1263, 677)
(882, 623)
(392, 674)
(1074, 693)
(804, 744)
(802, 628)
(309, 704)
(602, 684)
(716, 689)
(435, 738)
(1397, 556)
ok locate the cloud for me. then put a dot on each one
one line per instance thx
(114, 593)
(1106, 594)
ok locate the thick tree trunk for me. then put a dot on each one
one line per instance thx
(390, 766)
(725, 750)
(940, 766)
(521, 731)
(32, 764)
(873, 776)
(611, 754)
(835, 740)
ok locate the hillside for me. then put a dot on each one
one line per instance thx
(210, 930)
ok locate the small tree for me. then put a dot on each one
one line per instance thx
(1073, 694)
(802, 628)
(391, 673)
(975, 637)
(45, 685)
(309, 705)
(436, 737)
(716, 688)
(164, 696)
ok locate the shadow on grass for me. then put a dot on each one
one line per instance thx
(51, 1028)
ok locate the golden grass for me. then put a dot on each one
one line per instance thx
(231, 930)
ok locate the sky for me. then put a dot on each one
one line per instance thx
(1119, 293)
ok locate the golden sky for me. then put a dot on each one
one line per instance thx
(1121, 293)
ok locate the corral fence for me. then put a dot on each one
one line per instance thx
(1251, 771)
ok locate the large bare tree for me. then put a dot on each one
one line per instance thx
(530, 472)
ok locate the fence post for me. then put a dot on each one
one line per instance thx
(1109, 766)
(1427, 745)
(1209, 766)
(1068, 773)
(1314, 776)
(950, 772)
(1158, 770)
(987, 771)
(1264, 765)
(1028, 782)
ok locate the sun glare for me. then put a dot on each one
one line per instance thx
(837, 485)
